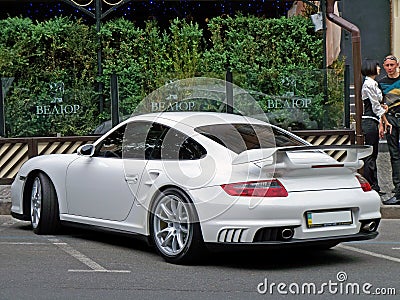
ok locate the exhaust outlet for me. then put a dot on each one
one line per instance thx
(370, 226)
(287, 233)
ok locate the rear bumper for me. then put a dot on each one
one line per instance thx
(293, 243)
(226, 218)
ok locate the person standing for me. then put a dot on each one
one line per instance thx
(373, 119)
(390, 85)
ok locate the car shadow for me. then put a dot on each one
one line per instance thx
(253, 260)
(270, 259)
(117, 238)
(278, 259)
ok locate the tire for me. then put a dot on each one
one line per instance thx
(174, 227)
(44, 211)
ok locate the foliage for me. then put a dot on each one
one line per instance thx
(275, 57)
(145, 59)
(55, 51)
(281, 59)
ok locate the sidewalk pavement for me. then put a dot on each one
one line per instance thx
(5, 201)
(384, 177)
(385, 183)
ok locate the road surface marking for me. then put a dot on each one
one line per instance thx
(395, 259)
(99, 271)
(22, 243)
(94, 266)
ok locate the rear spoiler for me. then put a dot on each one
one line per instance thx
(352, 161)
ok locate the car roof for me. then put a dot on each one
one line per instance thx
(195, 119)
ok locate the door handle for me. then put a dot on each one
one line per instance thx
(132, 178)
(153, 174)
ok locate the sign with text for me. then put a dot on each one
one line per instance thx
(284, 102)
(56, 106)
(57, 109)
(172, 106)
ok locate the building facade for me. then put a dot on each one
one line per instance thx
(379, 24)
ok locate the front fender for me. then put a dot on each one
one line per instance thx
(54, 166)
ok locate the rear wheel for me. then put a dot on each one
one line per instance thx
(45, 216)
(174, 227)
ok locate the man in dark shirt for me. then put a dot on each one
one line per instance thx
(390, 85)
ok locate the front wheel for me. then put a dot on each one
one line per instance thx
(174, 227)
(45, 217)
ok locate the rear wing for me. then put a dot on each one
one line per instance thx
(279, 158)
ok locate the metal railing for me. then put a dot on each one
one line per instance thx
(15, 151)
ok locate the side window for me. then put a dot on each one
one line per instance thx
(154, 140)
(190, 150)
(139, 140)
(146, 140)
(111, 146)
(174, 145)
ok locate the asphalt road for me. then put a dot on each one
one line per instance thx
(80, 264)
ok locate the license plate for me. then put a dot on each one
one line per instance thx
(330, 218)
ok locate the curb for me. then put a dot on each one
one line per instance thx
(5, 207)
(390, 211)
(5, 200)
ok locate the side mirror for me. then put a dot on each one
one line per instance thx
(86, 150)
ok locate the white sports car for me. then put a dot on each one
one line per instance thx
(191, 181)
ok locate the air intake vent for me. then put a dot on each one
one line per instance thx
(231, 235)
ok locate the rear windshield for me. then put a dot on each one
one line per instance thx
(242, 137)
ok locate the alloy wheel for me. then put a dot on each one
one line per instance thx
(171, 225)
(36, 202)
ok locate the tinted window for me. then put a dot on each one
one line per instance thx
(111, 146)
(242, 137)
(190, 149)
(146, 140)
(140, 139)
(174, 145)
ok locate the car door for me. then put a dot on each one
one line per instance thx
(104, 185)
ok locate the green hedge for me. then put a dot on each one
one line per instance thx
(39, 56)
(273, 56)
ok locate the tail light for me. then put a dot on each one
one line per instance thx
(264, 188)
(366, 187)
